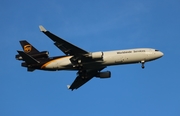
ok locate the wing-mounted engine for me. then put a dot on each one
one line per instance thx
(43, 54)
(96, 55)
(106, 74)
(79, 60)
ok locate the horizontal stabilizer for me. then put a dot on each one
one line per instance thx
(27, 58)
(30, 69)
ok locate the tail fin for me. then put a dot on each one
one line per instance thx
(27, 58)
(28, 48)
(31, 51)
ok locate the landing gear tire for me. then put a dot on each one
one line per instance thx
(142, 67)
(142, 62)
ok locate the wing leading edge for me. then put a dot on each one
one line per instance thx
(64, 46)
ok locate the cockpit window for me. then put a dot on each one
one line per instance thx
(156, 50)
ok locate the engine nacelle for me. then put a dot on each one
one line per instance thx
(106, 74)
(96, 55)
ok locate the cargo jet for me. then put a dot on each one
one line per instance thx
(87, 64)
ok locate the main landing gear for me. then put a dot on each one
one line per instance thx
(143, 62)
(82, 73)
(79, 65)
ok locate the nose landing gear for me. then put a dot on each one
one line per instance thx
(143, 62)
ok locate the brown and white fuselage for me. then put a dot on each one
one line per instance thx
(88, 64)
(109, 58)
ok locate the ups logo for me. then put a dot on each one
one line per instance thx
(27, 48)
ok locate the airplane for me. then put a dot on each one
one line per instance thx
(87, 64)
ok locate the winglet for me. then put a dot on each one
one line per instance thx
(42, 28)
(68, 86)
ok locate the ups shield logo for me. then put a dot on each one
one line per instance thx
(27, 48)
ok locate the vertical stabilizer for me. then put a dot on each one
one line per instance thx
(28, 48)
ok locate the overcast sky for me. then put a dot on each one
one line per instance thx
(96, 25)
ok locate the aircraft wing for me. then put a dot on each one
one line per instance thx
(64, 46)
(79, 81)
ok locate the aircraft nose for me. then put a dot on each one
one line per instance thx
(161, 54)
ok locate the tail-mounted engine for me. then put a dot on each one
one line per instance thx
(106, 74)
